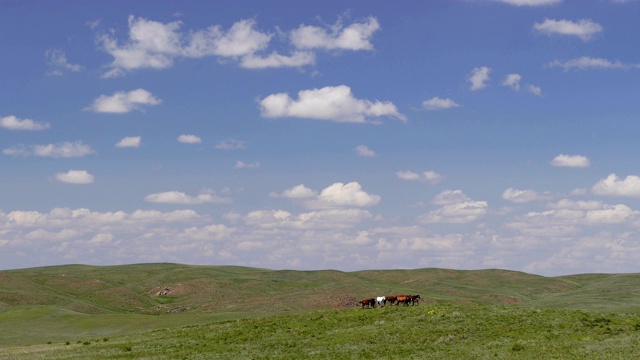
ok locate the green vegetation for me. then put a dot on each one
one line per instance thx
(77, 312)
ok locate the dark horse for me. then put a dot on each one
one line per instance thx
(368, 303)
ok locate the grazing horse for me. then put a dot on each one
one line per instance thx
(415, 299)
(390, 299)
(381, 300)
(403, 299)
(368, 303)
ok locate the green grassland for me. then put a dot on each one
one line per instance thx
(117, 312)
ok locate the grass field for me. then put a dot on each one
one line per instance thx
(78, 312)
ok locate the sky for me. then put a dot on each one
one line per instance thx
(346, 135)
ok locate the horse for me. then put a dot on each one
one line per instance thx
(403, 299)
(415, 299)
(368, 303)
(390, 299)
(381, 300)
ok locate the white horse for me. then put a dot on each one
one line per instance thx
(381, 300)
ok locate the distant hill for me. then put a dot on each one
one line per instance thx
(158, 288)
(93, 301)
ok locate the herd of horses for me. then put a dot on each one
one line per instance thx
(396, 299)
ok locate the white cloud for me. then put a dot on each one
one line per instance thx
(585, 63)
(333, 103)
(523, 196)
(189, 139)
(123, 102)
(513, 81)
(479, 77)
(75, 177)
(275, 60)
(577, 161)
(244, 165)
(337, 195)
(531, 2)
(364, 151)
(57, 61)
(457, 208)
(177, 197)
(535, 90)
(297, 192)
(129, 142)
(63, 150)
(585, 29)
(353, 37)
(13, 123)
(448, 197)
(431, 177)
(437, 103)
(614, 186)
(59, 150)
(231, 144)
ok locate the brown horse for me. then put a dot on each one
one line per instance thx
(390, 299)
(368, 303)
(403, 299)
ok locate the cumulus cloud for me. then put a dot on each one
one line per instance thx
(585, 29)
(612, 185)
(479, 77)
(332, 103)
(353, 37)
(177, 197)
(364, 151)
(576, 161)
(337, 195)
(523, 196)
(437, 103)
(531, 2)
(586, 63)
(431, 177)
(13, 123)
(231, 144)
(513, 81)
(75, 177)
(129, 142)
(296, 192)
(275, 60)
(123, 102)
(57, 62)
(189, 139)
(244, 165)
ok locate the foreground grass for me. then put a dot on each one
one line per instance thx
(428, 331)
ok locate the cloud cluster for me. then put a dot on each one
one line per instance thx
(59, 150)
(156, 45)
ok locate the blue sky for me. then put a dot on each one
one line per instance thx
(321, 135)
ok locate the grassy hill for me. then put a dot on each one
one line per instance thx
(74, 303)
